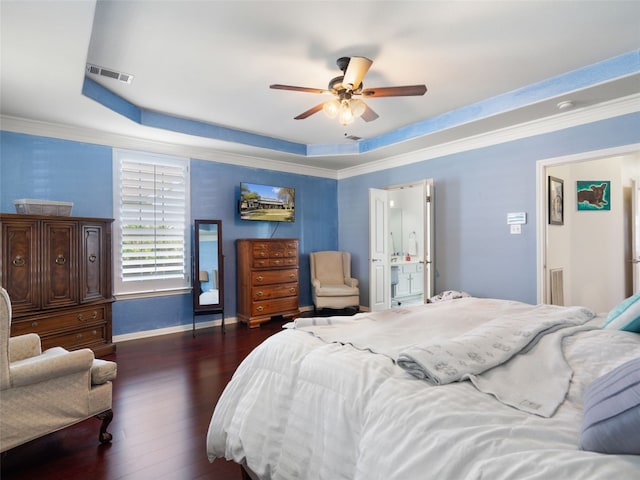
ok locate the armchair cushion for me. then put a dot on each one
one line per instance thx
(337, 291)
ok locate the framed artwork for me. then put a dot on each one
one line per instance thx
(556, 201)
(593, 195)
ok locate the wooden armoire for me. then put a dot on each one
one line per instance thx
(57, 271)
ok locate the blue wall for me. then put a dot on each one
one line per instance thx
(474, 191)
(54, 169)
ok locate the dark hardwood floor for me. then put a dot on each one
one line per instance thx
(163, 399)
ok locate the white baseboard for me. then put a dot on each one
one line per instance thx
(169, 330)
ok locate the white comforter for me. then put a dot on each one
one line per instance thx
(301, 408)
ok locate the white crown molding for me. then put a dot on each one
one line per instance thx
(86, 135)
(602, 111)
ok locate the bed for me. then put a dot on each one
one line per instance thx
(463, 389)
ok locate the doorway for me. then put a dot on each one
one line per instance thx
(589, 252)
(401, 245)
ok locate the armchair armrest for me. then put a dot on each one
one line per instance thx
(54, 363)
(24, 346)
(351, 282)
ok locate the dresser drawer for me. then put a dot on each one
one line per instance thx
(275, 262)
(275, 306)
(76, 318)
(79, 338)
(271, 277)
(274, 291)
(278, 250)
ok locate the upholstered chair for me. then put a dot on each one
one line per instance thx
(41, 392)
(331, 282)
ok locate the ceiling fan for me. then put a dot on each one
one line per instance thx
(348, 89)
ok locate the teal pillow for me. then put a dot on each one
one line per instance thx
(611, 422)
(626, 316)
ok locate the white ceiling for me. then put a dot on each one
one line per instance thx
(213, 61)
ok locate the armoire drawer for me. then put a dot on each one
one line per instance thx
(77, 318)
(79, 338)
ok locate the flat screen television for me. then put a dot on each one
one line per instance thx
(266, 202)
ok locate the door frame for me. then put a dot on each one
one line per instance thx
(541, 205)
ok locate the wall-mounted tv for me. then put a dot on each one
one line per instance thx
(266, 202)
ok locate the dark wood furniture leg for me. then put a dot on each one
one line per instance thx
(106, 417)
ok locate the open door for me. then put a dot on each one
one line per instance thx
(635, 234)
(401, 245)
(379, 255)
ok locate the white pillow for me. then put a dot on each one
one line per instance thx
(625, 316)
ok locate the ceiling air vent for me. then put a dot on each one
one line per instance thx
(106, 72)
(353, 137)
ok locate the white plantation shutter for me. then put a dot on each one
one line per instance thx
(152, 225)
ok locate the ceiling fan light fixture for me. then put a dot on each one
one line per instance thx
(331, 108)
(345, 116)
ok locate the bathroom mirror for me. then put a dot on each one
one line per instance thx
(208, 271)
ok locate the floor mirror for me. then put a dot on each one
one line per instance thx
(208, 270)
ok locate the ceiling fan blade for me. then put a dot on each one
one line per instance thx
(404, 91)
(277, 86)
(356, 70)
(309, 112)
(369, 115)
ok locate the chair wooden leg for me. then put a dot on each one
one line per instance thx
(106, 417)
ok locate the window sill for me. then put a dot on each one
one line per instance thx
(155, 293)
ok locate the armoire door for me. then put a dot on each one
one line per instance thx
(59, 262)
(94, 263)
(20, 263)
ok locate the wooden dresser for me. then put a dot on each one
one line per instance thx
(57, 271)
(267, 279)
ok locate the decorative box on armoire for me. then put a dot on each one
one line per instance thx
(57, 271)
(267, 279)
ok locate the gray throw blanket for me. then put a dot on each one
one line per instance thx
(488, 345)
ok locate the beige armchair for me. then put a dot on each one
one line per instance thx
(331, 282)
(41, 392)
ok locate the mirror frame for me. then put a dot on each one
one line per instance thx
(214, 307)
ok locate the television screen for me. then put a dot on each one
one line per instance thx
(266, 202)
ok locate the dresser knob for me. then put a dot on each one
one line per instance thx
(60, 260)
(262, 254)
(292, 290)
(259, 308)
(34, 324)
(259, 294)
(92, 258)
(292, 276)
(19, 261)
(259, 278)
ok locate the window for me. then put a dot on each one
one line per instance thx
(151, 231)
